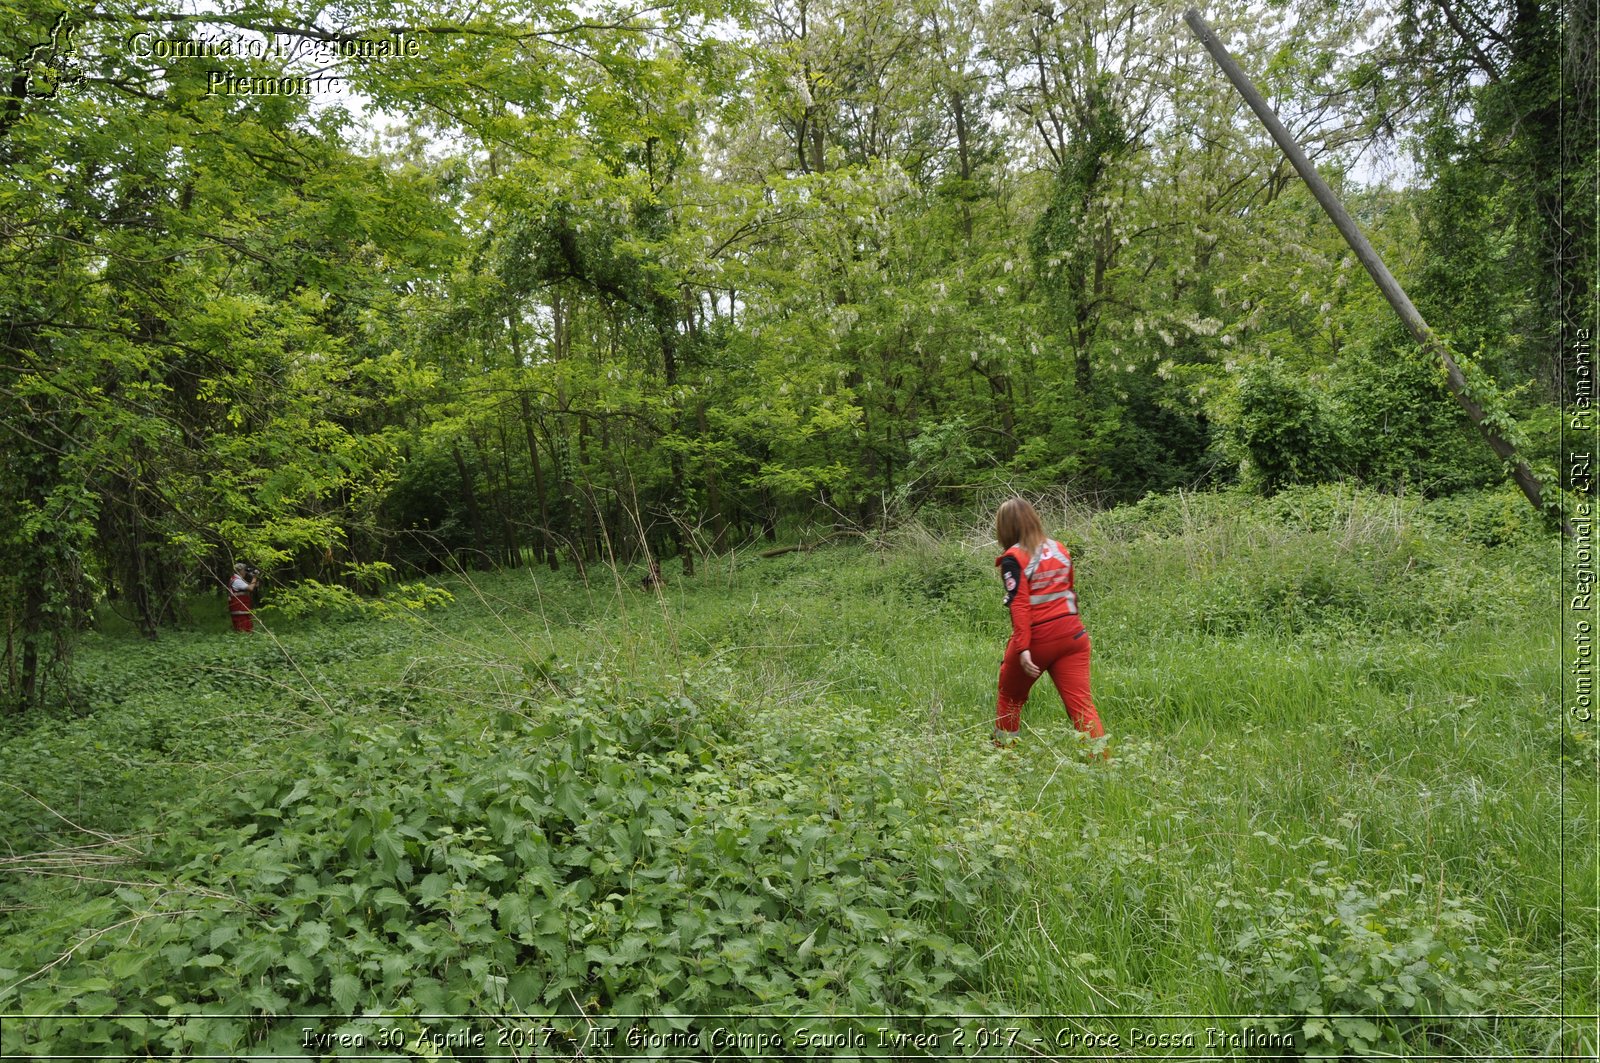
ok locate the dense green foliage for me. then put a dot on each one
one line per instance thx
(570, 285)
(460, 350)
(1336, 787)
(628, 853)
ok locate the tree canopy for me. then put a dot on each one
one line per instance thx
(370, 289)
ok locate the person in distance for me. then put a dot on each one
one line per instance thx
(240, 588)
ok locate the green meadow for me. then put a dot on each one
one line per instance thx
(1341, 815)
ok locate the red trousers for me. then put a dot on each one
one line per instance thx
(1062, 649)
(239, 610)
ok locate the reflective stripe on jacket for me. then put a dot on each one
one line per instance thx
(1047, 580)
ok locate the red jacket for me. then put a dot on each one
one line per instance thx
(1038, 591)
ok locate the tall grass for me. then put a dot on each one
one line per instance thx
(1339, 776)
(1333, 699)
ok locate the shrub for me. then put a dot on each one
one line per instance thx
(1499, 516)
(1285, 431)
(1357, 971)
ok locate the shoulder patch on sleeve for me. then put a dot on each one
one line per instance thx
(1011, 576)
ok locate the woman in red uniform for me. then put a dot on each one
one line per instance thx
(1046, 633)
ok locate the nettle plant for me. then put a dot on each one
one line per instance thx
(1358, 970)
(580, 850)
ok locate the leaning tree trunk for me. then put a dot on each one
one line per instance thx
(1426, 338)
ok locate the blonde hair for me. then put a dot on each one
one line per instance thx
(1018, 522)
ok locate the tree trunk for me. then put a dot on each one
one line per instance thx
(963, 156)
(32, 632)
(666, 323)
(546, 553)
(496, 501)
(713, 488)
(513, 541)
(471, 497)
(589, 515)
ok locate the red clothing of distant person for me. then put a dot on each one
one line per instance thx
(239, 603)
(1046, 625)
